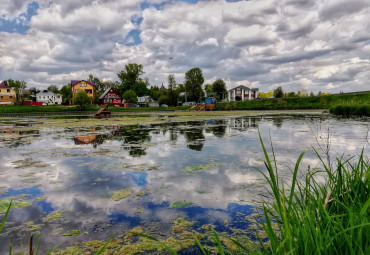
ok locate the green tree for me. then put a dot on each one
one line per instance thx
(66, 92)
(219, 89)
(53, 88)
(278, 92)
(81, 99)
(209, 90)
(291, 94)
(140, 88)
(172, 95)
(312, 94)
(130, 75)
(18, 87)
(193, 84)
(130, 96)
(34, 90)
(163, 99)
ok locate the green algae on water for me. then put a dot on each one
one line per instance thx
(141, 193)
(179, 204)
(31, 226)
(120, 194)
(139, 211)
(53, 216)
(201, 167)
(4, 203)
(72, 233)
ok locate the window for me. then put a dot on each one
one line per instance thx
(82, 84)
(88, 91)
(1, 97)
(10, 97)
(77, 90)
(8, 90)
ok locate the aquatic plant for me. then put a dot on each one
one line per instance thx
(179, 204)
(201, 167)
(53, 216)
(120, 194)
(4, 203)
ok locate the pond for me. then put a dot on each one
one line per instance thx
(77, 183)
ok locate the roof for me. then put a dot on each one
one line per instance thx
(4, 84)
(101, 111)
(106, 92)
(244, 87)
(45, 92)
(144, 99)
(74, 82)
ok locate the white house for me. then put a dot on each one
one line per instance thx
(242, 93)
(47, 97)
(147, 101)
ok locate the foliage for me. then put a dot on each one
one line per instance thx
(81, 99)
(34, 90)
(349, 110)
(140, 88)
(265, 94)
(193, 84)
(209, 90)
(278, 92)
(172, 95)
(66, 92)
(53, 88)
(323, 102)
(130, 96)
(163, 99)
(130, 75)
(219, 89)
(18, 87)
(291, 94)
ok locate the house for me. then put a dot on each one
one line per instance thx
(7, 94)
(242, 93)
(47, 97)
(110, 97)
(103, 113)
(146, 101)
(88, 86)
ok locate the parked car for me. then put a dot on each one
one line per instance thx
(164, 105)
(132, 105)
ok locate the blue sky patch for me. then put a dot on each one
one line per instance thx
(132, 38)
(21, 23)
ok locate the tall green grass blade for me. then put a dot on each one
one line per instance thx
(199, 244)
(53, 248)
(38, 245)
(294, 180)
(217, 240)
(11, 247)
(103, 247)
(5, 216)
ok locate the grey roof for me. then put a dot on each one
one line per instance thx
(145, 99)
(105, 92)
(244, 87)
(45, 93)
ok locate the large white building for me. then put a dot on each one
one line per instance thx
(242, 93)
(48, 98)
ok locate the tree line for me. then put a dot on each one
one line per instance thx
(131, 84)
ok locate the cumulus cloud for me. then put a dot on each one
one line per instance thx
(266, 42)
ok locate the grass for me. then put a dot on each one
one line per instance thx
(321, 102)
(351, 110)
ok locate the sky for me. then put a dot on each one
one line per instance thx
(317, 45)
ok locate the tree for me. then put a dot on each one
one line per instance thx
(66, 92)
(319, 94)
(81, 98)
(209, 90)
(140, 88)
(172, 95)
(219, 89)
(291, 94)
(311, 94)
(278, 92)
(34, 90)
(18, 87)
(130, 96)
(193, 84)
(130, 75)
(163, 99)
(53, 88)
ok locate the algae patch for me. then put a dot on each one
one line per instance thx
(179, 204)
(120, 194)
(53, 216)
(4, 203)
(72, 233)
(201, 167)
(29, 162)
(31, 226)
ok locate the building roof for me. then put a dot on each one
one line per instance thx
(74, 82)
(144, 99)
(106, 92)
(4, 84)
(102, 110)
(244, 87)
(45, 93)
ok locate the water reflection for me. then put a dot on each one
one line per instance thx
(211, 164)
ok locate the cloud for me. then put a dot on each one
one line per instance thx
(266, 42)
